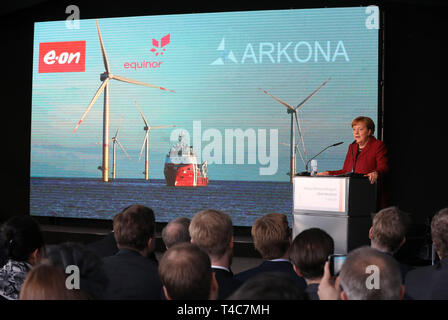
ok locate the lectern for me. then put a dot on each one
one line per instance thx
(341, 206)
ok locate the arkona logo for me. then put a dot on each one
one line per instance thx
(289, 52)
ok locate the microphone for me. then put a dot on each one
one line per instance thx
(353, 158)
(306, 173)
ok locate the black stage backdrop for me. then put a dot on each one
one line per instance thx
(414, 126)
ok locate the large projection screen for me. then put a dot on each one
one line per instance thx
(225, 81)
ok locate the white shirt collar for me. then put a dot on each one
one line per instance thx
(280, 260)
(221, 267)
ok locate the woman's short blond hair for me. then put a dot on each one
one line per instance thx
(366, 121)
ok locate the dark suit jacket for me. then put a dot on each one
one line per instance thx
(428, 283)
(132, 276)
(372, 158)
(226, 282)
(273, 266)
(105, 247)
(311, 291)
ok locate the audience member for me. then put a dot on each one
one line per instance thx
(388, 233)
(92, 278)
(176, 231)
(269, 286)
(197, 263)
(47, 282)
(24, 244)
(104, 247)
(3, 257)
(131, 274)
(308, 253)
(367, 274)
(186, 274)
(431, 282)
(272, 238)
(212, 231)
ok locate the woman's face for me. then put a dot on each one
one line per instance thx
(360, 133)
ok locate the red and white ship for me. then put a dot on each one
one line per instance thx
(182, 169)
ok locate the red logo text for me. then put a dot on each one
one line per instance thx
(65, 56)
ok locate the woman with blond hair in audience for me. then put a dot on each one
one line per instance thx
(47, 282)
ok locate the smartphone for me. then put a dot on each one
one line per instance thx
(336, 262)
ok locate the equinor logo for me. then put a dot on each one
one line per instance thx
(158, 47)
(284, 52)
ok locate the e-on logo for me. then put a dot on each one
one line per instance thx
(64, 56)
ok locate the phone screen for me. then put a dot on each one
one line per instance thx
(336, 262)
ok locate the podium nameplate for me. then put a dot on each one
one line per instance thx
(320, 194)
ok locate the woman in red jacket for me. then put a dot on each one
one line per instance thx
(366, 155)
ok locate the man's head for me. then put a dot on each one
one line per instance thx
(186, 273)
(369, 274)
(389, 229)
(309, 252)
(134, 228)
(271, 235)
(212, 231)
(176, 231)
(439, 233)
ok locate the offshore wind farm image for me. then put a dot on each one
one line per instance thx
(201, 114)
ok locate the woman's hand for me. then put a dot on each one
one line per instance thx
(373, 176)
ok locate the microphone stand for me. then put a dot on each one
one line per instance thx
(306, 173)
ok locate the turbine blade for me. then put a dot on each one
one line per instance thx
(118, 129)
(161, 127)
(122, 148)
(120, 78)
(103, 49)
(279, 100)
(311, 95)
(143, 145)
(95, 97)
(143, 117)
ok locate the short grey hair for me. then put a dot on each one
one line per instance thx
(354, 274)
(439, 232)
(176, 231)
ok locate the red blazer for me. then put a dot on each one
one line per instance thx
(372, 158)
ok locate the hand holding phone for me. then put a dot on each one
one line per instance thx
(329, 287)
(336, 261)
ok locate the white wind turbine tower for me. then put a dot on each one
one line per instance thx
(294, 114)
(145, 144)
(105, 77)
(115, 141)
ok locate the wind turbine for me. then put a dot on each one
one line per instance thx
(294, 115)
(105, 78)
(115, 141)
(145, 144)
